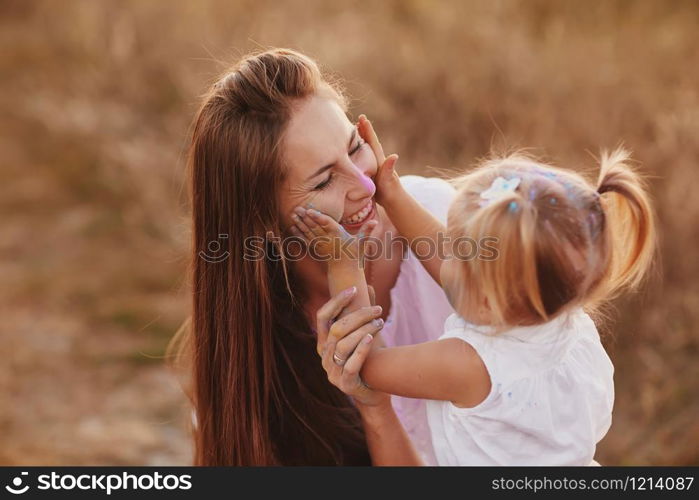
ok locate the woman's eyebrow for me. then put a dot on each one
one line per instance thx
(323, 169)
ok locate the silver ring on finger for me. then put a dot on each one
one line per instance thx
(338, 360)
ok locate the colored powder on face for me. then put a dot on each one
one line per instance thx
(368, 184)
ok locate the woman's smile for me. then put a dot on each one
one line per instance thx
(355, 220)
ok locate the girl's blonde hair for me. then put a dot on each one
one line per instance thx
(560, 240)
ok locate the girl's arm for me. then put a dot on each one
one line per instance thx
(344, 273)
(425, 233)
(340, 251)
(446, 370)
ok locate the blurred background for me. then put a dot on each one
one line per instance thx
(96, 100)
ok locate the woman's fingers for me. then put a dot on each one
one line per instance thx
(346, 346)
(330, 310)
(344, 374)
(333, 370)
(350, 380)
(366, 130)
(348, 324)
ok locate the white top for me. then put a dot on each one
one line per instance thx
(419, 308)
(551, 398)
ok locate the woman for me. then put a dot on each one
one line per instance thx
(270, 135)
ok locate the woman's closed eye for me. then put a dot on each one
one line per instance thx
(360, 143)
(329, 179)
(325, 183)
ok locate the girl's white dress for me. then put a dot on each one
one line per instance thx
(551, 397)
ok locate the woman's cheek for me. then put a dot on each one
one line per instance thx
(330, 202)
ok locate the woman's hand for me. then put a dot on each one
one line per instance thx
(353, 336)
(387, 180)
(345, 344)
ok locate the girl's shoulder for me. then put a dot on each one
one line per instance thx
(534, 353)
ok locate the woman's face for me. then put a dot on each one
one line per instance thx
(330, 168)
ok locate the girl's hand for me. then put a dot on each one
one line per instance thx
(326, 237)
(345, 344)
(387, 180)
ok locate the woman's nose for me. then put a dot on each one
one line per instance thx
(362, 185)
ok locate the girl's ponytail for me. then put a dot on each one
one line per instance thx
(630, 227)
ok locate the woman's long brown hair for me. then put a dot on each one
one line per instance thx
(259, 391)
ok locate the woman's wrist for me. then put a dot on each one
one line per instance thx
(376, 413)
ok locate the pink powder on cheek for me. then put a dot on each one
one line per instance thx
(368, 184)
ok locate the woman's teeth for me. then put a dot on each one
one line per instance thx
(359, 216)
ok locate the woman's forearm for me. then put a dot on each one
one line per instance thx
(387, 440)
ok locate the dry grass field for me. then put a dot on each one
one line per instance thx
(96, 99)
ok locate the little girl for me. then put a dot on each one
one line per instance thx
(519, 376)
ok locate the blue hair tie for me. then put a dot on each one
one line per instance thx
(512, 207)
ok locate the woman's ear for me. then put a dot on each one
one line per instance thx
(372, 295)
